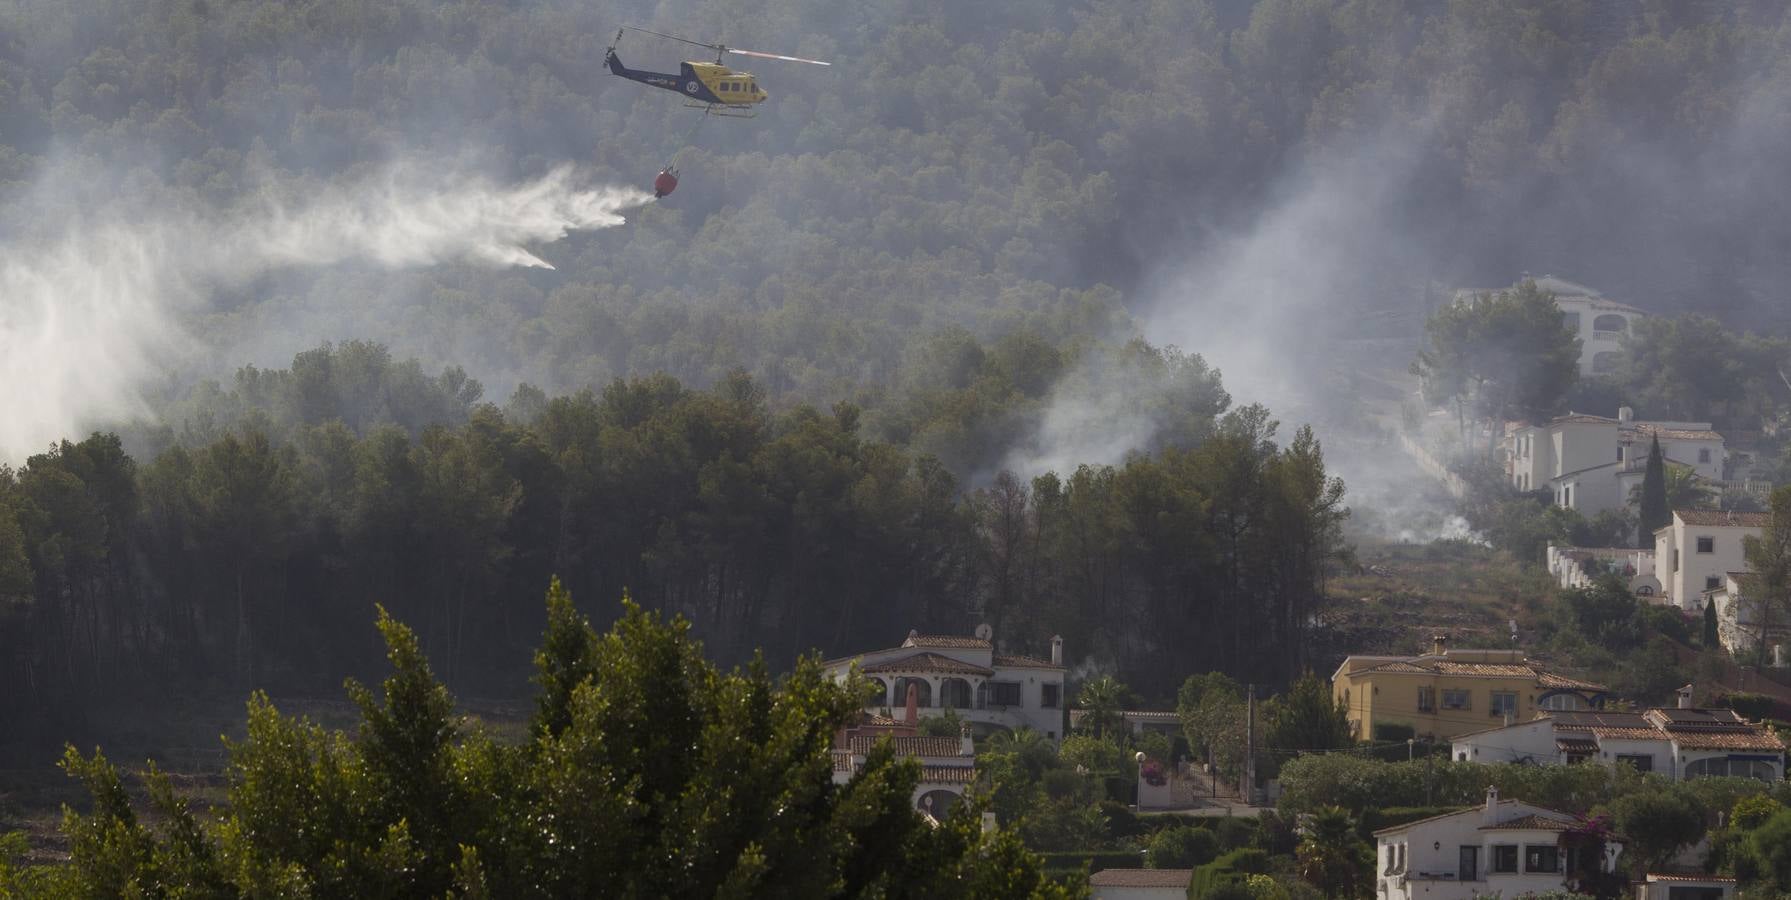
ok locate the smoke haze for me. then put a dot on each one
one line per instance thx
(93, 308)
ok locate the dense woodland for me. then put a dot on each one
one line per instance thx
(255, 558)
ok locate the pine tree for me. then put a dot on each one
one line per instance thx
(1656, 514)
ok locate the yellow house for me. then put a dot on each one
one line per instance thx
(1447, 692)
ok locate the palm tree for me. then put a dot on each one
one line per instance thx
(1331, 857)
(1103, 702)
(1685, 490)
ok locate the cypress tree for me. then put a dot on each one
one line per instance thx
(1655, 513)
(1710, 636)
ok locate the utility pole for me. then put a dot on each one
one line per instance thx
(1248, 791)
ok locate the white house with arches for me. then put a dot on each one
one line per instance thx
(991, 691)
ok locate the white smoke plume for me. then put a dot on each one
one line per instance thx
(92, 309)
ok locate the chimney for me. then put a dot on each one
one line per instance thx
(1057, 650)
(966, 746)
(1489, 815)
(1685, 697)
(1625, 415)
(1439, 644)
(913, 717)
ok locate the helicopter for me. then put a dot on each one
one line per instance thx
(712, 87)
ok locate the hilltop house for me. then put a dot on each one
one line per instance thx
(950, 672)
(1681, 743)
(1447, 692)
(1501, 849)
(1575, 567)
(1599, 322)
(1738, 623)
(1699, 549)
(1591, 463)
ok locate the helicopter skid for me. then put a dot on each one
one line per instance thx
(729, 112)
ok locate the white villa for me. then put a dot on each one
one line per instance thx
(1680, 743)
(1699, 549)
(1575, 567)
(1599, 322)
(992, 691)
(1503, 848)
(1738, 620)
(1592, 463)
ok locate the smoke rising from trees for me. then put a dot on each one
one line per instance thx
(94, 309)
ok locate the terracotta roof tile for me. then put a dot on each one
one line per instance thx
(1142, 878)
(1707, 518)
(1728, 740)
(1529, 823)
(1685, 876)
(1629, 734)
(1025, 662)
(1679, 434)
(946, 642)
(1551, 680)
(947, 774)
(929, 662)
(908, 746)
(842, 760)
(1435, 666)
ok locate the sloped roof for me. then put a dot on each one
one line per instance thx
(1435, 665)
(1025, 662)
(1728, 740)
(1551, 680)
(1508, 805)
(946, 642)
(1529, 823)
(947, 774)
(1142, 878)
(929, 662)
(1678, 434)
(1706, 518)
(918, 745)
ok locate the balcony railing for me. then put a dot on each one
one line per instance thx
(1612, 336)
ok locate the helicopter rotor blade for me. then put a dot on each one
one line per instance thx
(674, 37)
(812, 62)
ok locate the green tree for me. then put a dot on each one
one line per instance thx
(1712, 641)
(1657, 824)
(1181, 847)
(1103, 701)
(656, 774)
(1772, 846)
(1508, 355)
(1212, 709)
(1332, 857)
(1307, 717)
(1768, 582)
(1656, 510)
